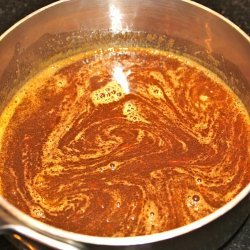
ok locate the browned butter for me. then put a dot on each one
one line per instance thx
(123, 142)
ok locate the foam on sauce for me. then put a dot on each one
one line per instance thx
(123, 142)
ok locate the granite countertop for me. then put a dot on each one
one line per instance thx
(235, 10)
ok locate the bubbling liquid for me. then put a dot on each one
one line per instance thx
(123, 142)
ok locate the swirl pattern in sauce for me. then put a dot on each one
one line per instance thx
(123, 142)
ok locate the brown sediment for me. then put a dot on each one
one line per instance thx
(123, 143)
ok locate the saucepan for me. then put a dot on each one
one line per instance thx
(65, 27)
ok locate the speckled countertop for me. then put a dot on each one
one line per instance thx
(237, 11)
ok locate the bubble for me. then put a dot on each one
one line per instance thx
(168, 92)
(199, 180)
(196, 198)
(37, 212)
(107, 94)
(118, 204)
(112, 166)
(107, 220)
(102, 206)
(132, 217)
(132, 113)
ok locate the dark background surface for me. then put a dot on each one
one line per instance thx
(237, 11)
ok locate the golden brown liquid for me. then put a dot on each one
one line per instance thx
(123, 142)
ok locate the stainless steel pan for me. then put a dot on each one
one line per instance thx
(182, 26)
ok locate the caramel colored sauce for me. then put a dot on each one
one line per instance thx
(123, 142)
